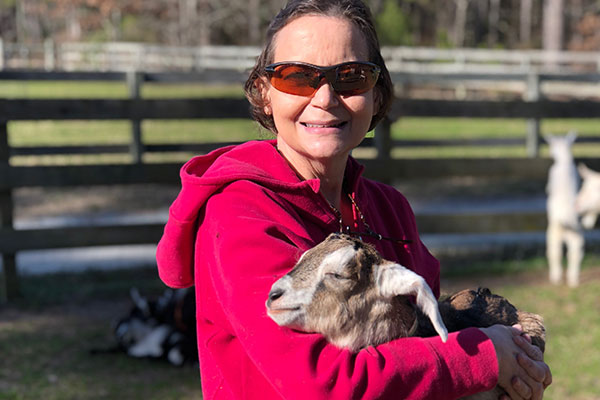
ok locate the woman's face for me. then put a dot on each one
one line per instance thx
(326, 126)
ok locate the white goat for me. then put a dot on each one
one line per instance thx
(563, 222)
(343, 289)
(587, 202)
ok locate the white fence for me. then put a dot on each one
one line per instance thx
(123, 56)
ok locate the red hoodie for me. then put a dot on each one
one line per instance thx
(240, 222)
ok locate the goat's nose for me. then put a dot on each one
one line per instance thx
(274, 295)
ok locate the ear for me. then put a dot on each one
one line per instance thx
(263, 87)
(395, 280)
(337, 260)
(572, 136)
(584, 171)
(547, 137)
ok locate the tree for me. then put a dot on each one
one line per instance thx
(552, 31)
(460, 22)
(525, 16)
(494, 22)
(393, 26)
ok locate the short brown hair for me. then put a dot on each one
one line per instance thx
(353, 10)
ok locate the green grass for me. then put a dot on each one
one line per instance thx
(571, 316)
(61, 133)
(112, 90)
(573, 334)
(476, 128)
(468, 128)
(65, 133)
(497, 267)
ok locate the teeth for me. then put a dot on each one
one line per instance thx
(323, 126)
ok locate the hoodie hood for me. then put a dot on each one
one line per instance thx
(203, 176)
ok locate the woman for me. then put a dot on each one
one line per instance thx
(245, 214)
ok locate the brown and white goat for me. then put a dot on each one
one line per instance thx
(343, 289)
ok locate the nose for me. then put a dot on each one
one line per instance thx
(274, 294)
(325, 96)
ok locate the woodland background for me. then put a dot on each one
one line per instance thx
(505, 24)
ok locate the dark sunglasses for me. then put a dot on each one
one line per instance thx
(303, 79)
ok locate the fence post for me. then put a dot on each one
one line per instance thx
(136, 147)
(383, 139)
(1, 54)
(49, 55)
(533, 125)
(11, 282)
(383, 144)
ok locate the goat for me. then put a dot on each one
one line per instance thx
(162, 328)
(563, 222)
(587, 202)
(343, 289)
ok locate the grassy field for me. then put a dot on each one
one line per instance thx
(571, 317)
(46, 338)
(57, 133)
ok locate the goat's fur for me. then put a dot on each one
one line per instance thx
(343, 289)
(587, 203)
(563, 222)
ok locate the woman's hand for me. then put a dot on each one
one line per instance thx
(522, 371)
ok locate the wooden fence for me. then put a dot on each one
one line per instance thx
(118, 56)
(136, 109)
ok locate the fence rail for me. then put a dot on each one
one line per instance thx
(119, 56)
(136, 109)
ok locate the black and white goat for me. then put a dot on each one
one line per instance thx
(343, 289)
(162, 328)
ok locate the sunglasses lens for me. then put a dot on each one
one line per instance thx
(303, 80)
(355, 79)
(295, 79)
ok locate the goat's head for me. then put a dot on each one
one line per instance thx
(343, 289)
(560, 146)
(587, 202)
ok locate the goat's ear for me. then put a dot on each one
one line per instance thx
(396, 280)
(337, 261)
(572, 136)
(584, 171)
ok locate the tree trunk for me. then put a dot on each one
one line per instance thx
(525, 22)
(188, 21)
(460, 21)
(552, 32)
(493, 21)
(204, 23)
(254, 22)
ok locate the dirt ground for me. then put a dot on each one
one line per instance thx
(31, 203)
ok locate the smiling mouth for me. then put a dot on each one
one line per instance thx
(338, 125)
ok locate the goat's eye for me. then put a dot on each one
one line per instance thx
(335, 275)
